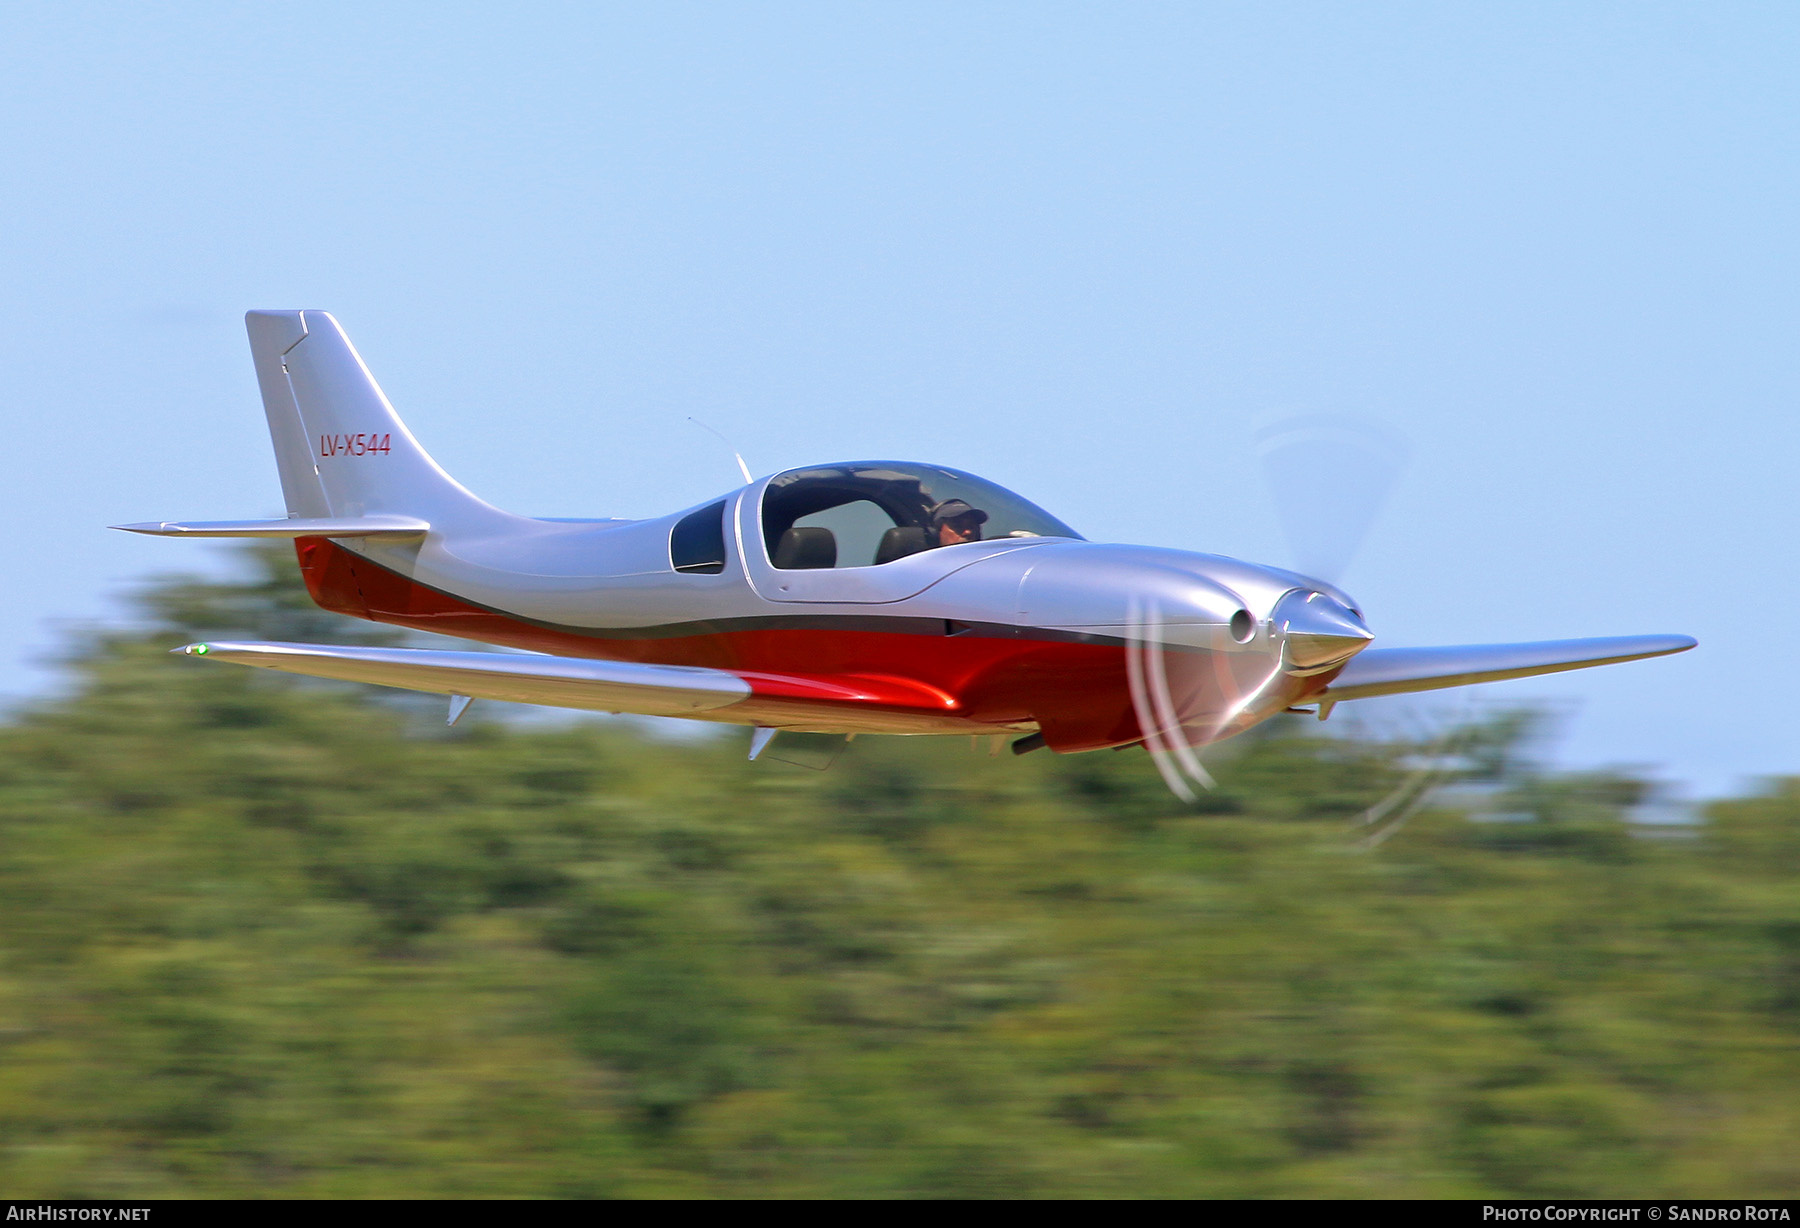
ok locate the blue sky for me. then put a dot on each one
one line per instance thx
(1086, 250)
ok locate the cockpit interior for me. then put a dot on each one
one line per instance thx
(867, 513)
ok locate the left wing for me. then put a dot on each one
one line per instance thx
(1394, 671)
(831, 703)
(560, 682)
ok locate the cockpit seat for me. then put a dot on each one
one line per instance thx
(807, 549)
(898, 542)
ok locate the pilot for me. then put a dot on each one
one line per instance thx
(954, 522)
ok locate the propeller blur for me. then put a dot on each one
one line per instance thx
(858, 597)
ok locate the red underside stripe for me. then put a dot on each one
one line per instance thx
(1076, 692)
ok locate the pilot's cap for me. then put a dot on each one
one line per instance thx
(956, 509)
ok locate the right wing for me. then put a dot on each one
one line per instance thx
(1395, 671)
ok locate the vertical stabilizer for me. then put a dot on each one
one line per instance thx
(340, 447)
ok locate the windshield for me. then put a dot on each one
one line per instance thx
(866, 513)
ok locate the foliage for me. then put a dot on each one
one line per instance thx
(269, 938)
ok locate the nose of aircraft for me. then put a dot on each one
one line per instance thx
(1318, 632)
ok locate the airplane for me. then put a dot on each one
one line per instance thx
(863, 597)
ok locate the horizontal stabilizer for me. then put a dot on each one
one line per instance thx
(319, 526)
(1395, 671)
(560, 682)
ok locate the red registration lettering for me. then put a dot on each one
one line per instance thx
(363, 443)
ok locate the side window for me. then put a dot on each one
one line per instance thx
(697, 545)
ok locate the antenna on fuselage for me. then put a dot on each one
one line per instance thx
(735, 454)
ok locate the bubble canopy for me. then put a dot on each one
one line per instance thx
(867, 513)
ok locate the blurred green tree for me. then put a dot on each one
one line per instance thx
(270, 938)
